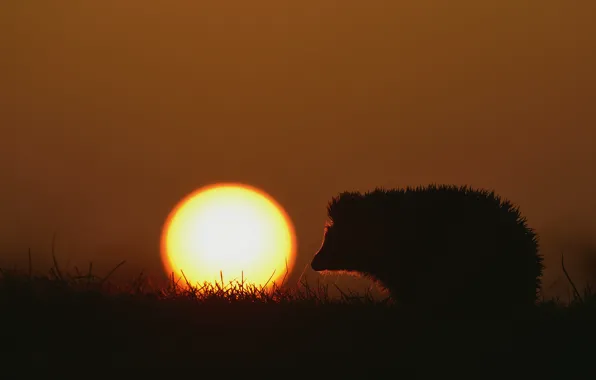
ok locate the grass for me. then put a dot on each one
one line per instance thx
(80, 318)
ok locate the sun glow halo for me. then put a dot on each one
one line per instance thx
(233, 228)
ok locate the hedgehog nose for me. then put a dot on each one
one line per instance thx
(316, 263)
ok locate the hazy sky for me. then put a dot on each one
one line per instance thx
(112, 110)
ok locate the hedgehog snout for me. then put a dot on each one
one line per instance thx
(317, 262)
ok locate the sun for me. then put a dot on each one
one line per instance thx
(231, 230)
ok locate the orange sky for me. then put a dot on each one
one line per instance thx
(112, 111)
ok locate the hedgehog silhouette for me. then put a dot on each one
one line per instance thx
(435, 246)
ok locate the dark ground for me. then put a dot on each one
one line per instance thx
(53, 323)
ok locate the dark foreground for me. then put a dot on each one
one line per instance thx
(58, 324)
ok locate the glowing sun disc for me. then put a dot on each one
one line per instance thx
(233, 228)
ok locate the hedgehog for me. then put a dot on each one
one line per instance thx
(437, 246)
